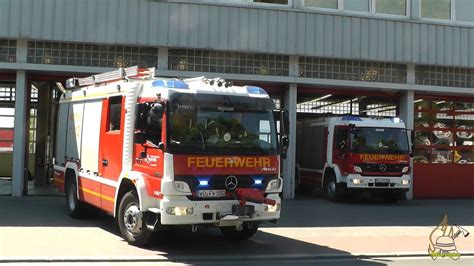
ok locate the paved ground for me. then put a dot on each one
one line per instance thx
(310, 229)
(6, 188)
(392, 261)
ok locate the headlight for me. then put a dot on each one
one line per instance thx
(273, 185)
(357, 169)
(405, 169)
(270, 208)
(180, 211)
(181, 186)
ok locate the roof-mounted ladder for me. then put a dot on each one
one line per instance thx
(114, 75)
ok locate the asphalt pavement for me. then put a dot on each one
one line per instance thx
(38, 229)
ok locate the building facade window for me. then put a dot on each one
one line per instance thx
(332, 4)
(357, 5)
(7, 117)
(464, 10)
(391, 7)
(228, 62)
(436, 9)
(279, 2)
(7, 51)
(374, 7)
(326, 68)
(445, 76)
(81, 54)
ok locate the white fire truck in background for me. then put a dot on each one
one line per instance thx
(161, 151)
(343, 154)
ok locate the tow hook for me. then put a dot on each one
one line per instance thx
(194, 228)
(239, 227)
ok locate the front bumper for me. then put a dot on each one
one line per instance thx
(218, 212)
(369, 182)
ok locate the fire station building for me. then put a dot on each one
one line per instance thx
(413, 59)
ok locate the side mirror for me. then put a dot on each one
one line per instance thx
(161, 146)
(156, 113)
(282, 119)
(285, 120)
(342, 145)
(285, 142)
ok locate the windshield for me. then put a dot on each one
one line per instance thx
(379, 140)
(221, 129)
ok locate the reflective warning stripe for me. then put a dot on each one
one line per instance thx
(97, 194)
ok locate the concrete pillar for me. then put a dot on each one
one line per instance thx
(290, 161)
(162, 58)
(20, 148)
(21, 51)
(42, 128)
(407, 113)
(294, 66)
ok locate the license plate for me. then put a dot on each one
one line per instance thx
(382, 180)
(216, 193)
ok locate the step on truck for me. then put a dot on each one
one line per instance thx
(156, 152)
(352, 155)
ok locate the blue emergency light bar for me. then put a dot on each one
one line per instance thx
(256, 90)
(351, 118)
(170, 84)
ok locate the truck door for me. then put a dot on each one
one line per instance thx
(149, 155)
(111, 147)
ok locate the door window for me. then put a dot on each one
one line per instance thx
(115, 113)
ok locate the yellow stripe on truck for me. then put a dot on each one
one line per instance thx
(97, 194)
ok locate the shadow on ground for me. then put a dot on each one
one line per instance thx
(208, 245)
(176, 244)
(51, 211)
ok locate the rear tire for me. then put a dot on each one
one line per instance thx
(132, 222)
(332, 190)
(74, 205)
(248, 230)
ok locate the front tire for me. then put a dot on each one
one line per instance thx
(74, 206)
(333, 191)
(248, 230)
(132, 222)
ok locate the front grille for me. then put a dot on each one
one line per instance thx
(375, 168)
(218, 182)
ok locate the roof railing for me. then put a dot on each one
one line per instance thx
(119, 74)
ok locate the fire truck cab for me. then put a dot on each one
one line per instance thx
(352, 154)
(157, 151)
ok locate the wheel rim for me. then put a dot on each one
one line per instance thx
(70, 197)
(132, 219)
(331, 189)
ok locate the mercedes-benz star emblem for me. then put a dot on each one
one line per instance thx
(383, 167)
(231, 182)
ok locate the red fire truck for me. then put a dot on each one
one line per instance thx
(157, 151)
(346, 154)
